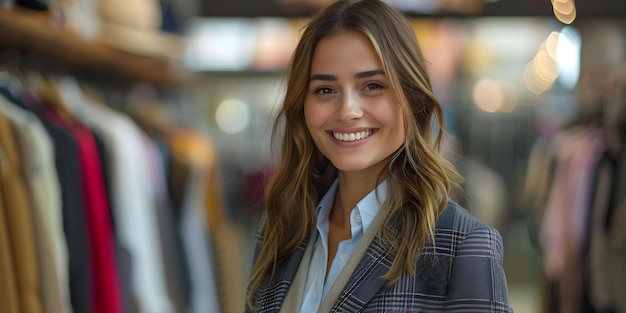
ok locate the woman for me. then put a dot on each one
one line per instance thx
(358, 217)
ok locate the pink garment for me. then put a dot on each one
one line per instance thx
(563, 229)
(106, 295)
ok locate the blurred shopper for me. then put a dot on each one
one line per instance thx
(357, 216)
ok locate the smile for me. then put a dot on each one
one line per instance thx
(352, 136)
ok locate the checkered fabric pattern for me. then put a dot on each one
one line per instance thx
(461, 272)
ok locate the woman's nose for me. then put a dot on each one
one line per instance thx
(350, 107)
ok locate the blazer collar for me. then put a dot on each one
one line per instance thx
(365, 282)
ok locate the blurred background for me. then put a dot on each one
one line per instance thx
(134, 145)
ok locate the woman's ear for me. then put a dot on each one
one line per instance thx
(323, 172)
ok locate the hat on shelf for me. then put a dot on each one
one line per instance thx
(135, 26)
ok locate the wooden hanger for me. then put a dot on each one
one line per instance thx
(46, 89)
(149, 113)
(92, 93)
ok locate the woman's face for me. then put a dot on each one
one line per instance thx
(350, 109)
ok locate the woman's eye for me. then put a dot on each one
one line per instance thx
(323, 91)
(373, 86)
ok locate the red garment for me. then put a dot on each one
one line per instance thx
(105, 287)
(106, 295)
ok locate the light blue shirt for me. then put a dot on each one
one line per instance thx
(361, 218)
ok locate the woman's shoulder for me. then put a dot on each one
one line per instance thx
(458, 232)
(459, 220)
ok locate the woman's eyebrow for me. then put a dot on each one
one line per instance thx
(369, 74)
(360, 75)
(323, 77)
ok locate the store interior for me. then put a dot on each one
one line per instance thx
(176, 98)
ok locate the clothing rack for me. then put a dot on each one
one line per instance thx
(29, 42)
(196, 251)
(577, 182)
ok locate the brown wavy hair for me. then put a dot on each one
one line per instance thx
(421, 177)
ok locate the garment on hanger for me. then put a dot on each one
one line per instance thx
(605, 271)
(104, 287)
(72, 204)
(190, 181)
(563, 227)
(599, 288)
(136, 218)
(42, 186)
(9, 299)
(20, 224)
(176, 270)
(106, 292)
(102, 253)
(616, 237)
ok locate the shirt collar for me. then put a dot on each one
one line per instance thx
(326, 204)
(367, 208)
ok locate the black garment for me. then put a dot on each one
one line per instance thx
(618, 190)
(106, 174)
(74, 219)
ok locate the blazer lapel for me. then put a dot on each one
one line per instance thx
(271, 295)
(365, 281)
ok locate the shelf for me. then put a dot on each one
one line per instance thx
(32, 33)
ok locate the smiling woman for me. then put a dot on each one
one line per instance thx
(358, 217)
(348, 97)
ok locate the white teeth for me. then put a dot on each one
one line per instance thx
(352, 136)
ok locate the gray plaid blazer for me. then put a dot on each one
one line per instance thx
(461, 272)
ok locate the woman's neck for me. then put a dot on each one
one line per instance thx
(352, 188)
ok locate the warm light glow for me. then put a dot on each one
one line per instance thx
(564, 10)
(566, 18)
(488, 95)
(558, 58)
(563, 6)
(530, 82)
(551, 44)
(540, 73)
(545, 67)
(232, 116)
